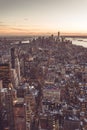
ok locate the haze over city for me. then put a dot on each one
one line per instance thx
(43, 65)
(25, 17)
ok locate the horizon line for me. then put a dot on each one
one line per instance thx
(45, 34)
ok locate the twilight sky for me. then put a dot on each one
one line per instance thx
(22, 17)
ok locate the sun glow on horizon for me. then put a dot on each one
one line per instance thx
(7, 30)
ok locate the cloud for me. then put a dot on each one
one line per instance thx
(18, 29)
(25, 19)
(2, 24)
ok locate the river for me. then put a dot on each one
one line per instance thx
(79, 41)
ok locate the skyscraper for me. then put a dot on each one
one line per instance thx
(17, 67)
(15, 64)
(13, 58)
(58, 35)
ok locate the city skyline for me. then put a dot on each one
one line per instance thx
(27, 17)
